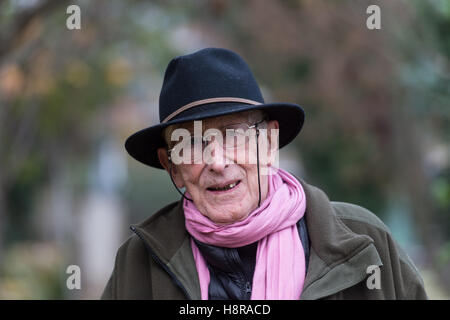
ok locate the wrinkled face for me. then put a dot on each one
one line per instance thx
(223, 187)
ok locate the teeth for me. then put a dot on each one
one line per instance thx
(227, 187)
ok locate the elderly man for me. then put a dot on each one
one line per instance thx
(244, 228)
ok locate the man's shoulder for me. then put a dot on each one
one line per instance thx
(158, 214)
(354, 213)
(354, 218)
(362, 221)
(131, 247)
(133, 243)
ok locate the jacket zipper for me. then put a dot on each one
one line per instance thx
(162, 264)
(248, 290)
(234, 256)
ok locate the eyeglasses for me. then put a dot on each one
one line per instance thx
(230, 138)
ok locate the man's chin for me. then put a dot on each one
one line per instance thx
(226, 216)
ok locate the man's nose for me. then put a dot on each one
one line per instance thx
(217, 162)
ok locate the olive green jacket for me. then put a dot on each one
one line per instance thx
(348, 244)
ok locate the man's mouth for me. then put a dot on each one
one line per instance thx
(225, 187)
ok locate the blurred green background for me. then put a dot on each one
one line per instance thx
(376, 134)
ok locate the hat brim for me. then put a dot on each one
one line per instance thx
(143, 145)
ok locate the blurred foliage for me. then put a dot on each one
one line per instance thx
(376, 102)
(61, 94)
(32, 271)
(56, 87)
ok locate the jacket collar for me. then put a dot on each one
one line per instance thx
(164, 233)
(338, 257)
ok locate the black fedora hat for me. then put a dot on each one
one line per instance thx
(209, 83)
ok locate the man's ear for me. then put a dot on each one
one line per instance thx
(164, 158)
(165, 162)
(273, 134)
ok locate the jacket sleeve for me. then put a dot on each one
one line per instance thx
(416, 292)
(400, 279)
(413, 282)
(408, 282)
(131, 277)
(108, 293)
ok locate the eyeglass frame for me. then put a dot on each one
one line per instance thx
(250, 126)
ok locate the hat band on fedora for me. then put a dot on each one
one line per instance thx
(210, 100)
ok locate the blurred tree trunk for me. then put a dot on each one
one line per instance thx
(9, 41)
(3, 217)
(3, 203)
(11, 152)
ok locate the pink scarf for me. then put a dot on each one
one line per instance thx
(280, 260)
